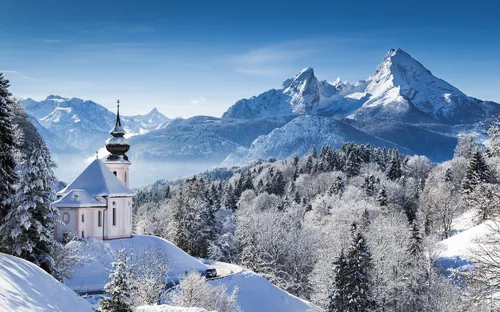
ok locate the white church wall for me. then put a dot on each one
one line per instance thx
(123, 218)
(69, 218)
(121, 170)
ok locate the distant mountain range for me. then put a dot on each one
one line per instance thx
(401, 105)
(83, 125)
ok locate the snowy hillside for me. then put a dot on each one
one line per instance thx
(256, 294)
(94, 275)
(167, 308)
(300, 135)
(24, 287)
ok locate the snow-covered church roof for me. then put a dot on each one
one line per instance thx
(97, 180)
(79, 198)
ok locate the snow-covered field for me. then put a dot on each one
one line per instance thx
(167, 308)
(94, 275)
(26, 287)
(455, 252)
(256, 294)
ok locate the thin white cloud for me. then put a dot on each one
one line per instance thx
(198, 101)
(272, 60)
(15, 72)
(52, 41)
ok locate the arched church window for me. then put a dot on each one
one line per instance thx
(114, 172)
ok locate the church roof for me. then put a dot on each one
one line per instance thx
(98, 180)
(78, 198)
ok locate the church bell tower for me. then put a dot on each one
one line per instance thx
(117, 161)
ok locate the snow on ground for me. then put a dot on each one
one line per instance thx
(256, 294)
(94, 275)
(454, 253)
(167, 308)
(26, 287)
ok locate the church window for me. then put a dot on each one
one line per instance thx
(114, 172)
(99, 218)
(83, 234)
(66, 218)
(114, 216)
(83, 217)
(125, 176)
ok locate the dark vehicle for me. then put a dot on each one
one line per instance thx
(209, 273)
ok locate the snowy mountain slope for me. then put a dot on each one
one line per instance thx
(302, 94)
(24, 287)
(437, 143)
(83, 123)
(94, 275)
(140, 124)
(300, 135)
(167, 308)
(256, 294)
(54, 142)
(401, 83)
(202, 138)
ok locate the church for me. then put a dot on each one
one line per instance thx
(98, 202)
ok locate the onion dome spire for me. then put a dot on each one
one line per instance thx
(117, 145)
(118, 129)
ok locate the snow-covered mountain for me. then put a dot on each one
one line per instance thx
(401, 89)
(84, 124)
(302, 94)
(300, 135)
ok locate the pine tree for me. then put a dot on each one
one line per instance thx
(8, 146)
(352, 292)
(394, 172)
(27, 228)
(339, 298)
(352, 164)
(416, 272)
(477, 172)
(118, 288)
(382, 197)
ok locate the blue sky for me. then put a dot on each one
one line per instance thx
(198, 57)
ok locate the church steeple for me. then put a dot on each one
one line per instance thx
(118, 130)
(117, 145)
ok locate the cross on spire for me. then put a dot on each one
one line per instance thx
(118, 122)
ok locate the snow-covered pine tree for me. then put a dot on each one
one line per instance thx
(8, 176)
(339, 296)
(359, 264)
(394, 172)
(416, 272)
(352, 289)
(382, 197)
(26, 230)
(477, 172)
(119, 287)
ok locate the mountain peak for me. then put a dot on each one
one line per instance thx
(153, 111)
(305, 74)
(56, 97)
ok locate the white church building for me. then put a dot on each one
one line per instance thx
(98, 202)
